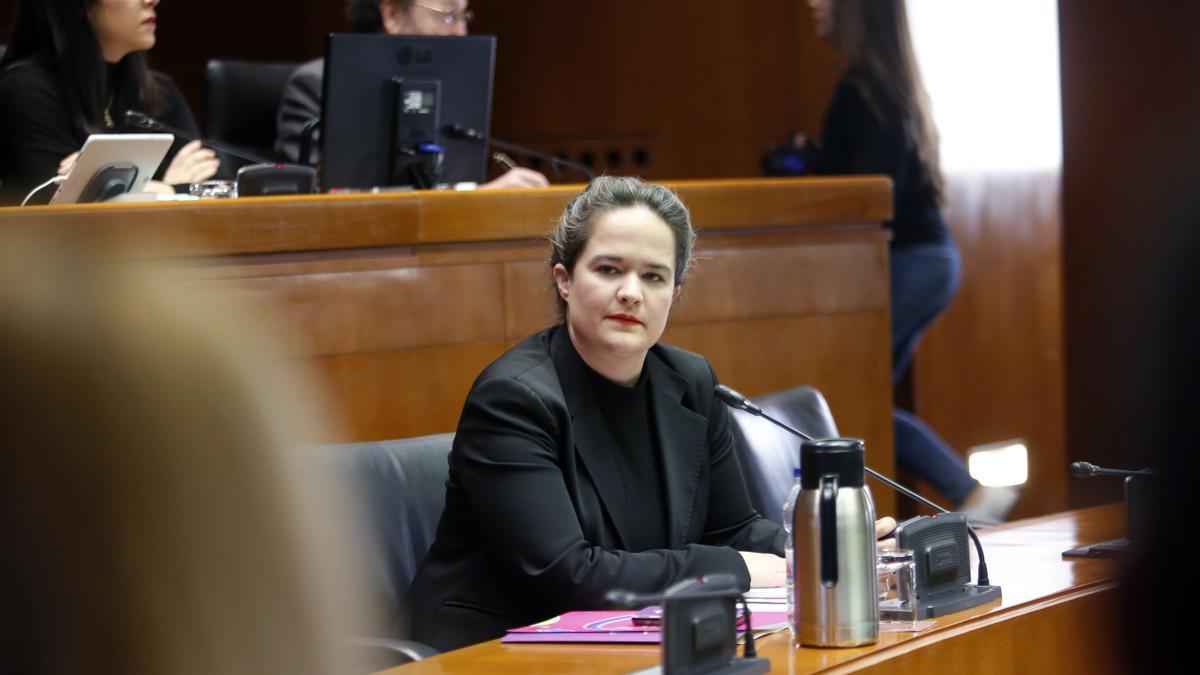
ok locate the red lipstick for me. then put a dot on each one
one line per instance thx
(625, 319)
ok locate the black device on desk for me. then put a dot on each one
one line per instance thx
(700, 621)
(1141, 503)
(386, 104)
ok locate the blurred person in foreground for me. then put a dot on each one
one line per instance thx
(301, 100)
(157, 515)
(72, 69)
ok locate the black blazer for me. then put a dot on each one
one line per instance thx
(535, 515)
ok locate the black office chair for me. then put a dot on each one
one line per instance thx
(400, 487)
(769, 454)
(241, 103)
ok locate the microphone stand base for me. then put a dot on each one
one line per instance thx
(956, 601)
(1113, 548)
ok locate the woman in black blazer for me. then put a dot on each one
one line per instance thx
(590, 457)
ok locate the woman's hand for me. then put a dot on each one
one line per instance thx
(64, 167)
(192, 164)
(766, 569)
(883, 528)
(518, 177)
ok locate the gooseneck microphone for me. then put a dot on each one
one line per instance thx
(143, 121)
(735, 399)
(1087, 470)
(466, 133)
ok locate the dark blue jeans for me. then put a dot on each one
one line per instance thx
(924, 279)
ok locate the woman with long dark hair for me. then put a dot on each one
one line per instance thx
(880, 121)
(73, 67)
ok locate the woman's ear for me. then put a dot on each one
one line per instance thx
(395, 21)
(562, 279)
(675, 293)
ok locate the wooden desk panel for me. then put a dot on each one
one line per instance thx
(1055, 616)
(398, 301)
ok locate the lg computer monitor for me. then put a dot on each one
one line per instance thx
(389, 102)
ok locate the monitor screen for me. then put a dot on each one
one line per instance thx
(388, 100)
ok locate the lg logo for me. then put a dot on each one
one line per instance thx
(415, 56)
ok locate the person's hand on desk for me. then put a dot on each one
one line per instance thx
(885, 527)
(767, 569)
(517, 177)
(64, 167)
(192, 164)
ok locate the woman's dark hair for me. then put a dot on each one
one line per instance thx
(58, 33)
(364, 16)
(873, 35)
(575, 225)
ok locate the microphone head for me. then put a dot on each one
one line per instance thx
(1083, 469)
(735, 399)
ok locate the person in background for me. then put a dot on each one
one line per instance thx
(158, 514)
(880, 121)
(73, 67)
(591, 457)
(301, 100)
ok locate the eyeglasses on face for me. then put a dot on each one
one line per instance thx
(450, 16)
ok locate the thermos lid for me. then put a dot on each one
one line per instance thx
(843, 457)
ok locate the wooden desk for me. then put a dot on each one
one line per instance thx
(396, 302)
(1055, 617)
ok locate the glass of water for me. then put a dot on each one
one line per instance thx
(896, 573)
(214, 189)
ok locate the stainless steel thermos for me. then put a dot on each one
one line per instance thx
(835, 603)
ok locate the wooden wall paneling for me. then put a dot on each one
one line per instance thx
(379, 310)
(492, 214)
(701, 88)
(772, 202)
(579, 78)
(730, 86)
(1119, 211)
(529, 299)
(750, 283)
(191, 33)
(215, 227)
(991, 368)
(400, 393)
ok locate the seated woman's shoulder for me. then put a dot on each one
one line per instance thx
(28, 77)
(29, 94)
(524, 361)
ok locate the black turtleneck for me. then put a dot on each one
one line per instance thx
(628, 414)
